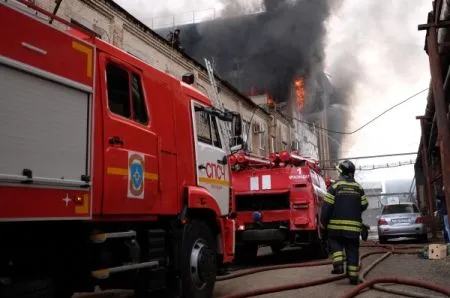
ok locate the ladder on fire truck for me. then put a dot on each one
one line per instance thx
(218, 105)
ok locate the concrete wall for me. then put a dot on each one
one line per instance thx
(121, 30)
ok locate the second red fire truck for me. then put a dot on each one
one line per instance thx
(277, 203)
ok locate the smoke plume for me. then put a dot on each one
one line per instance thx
(233, 8)
(266, 51)
(375, 57)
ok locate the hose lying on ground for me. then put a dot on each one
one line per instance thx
(397, 280)
(392, 250)
(273, 267)
(391, 246)
(389, 290)
(293, 286)
(286, 287)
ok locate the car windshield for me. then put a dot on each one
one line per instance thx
(405, 208)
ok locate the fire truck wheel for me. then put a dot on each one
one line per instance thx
(29, 289)
(319, 246)
(198, 261)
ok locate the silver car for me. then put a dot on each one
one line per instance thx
(401, 220)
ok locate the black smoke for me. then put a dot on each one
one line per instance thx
(267, 51)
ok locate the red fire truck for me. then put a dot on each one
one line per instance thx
(278, 203)
(112, 173)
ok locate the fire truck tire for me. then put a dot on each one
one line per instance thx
(319, 246)
(29, 289)
(198, 261)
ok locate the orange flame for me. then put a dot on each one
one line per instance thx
(270, 101)
(300, 92)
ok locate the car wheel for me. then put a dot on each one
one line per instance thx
(423, 238)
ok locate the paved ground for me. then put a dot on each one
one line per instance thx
(410, 266)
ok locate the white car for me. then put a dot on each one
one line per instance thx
(401, 220)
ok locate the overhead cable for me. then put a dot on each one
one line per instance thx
(367, 123)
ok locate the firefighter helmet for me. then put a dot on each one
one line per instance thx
(346, 168)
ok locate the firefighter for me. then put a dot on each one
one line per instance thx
(174, 39)
(344, 203)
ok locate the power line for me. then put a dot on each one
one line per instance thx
(367, 123)
(382, 166)
(371, 156)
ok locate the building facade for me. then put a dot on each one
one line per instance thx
(264, 131)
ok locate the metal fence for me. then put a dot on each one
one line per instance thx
(184, 18)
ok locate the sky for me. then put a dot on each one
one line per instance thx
(378, 41)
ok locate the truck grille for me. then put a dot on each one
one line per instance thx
(262, 202)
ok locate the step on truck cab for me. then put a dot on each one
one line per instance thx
(277, 203)
(112, 173)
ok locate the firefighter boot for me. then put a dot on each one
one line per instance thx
(338, 269)
(354, 280)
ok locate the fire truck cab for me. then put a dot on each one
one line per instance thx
(277, 203)
(112, 173)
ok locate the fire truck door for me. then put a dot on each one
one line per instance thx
(212, 171)
(130, 145)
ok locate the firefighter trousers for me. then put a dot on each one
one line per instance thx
(350, 246)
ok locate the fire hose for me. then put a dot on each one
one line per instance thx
(307, 264)
(332, 278)
(389, 290)
(289, 286)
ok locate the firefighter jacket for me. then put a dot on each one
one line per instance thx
(343, 205)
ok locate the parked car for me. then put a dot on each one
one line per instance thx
(401, 220)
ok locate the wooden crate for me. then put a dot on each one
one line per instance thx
(437, 251)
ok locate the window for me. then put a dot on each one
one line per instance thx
(262, 137)
(207, 128)
(247, 134)
(139, 110)
(125, 94)
(202, 123)
(118, 90)
(216, 135)
(400, 208)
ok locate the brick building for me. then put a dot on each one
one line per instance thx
(115, 25)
